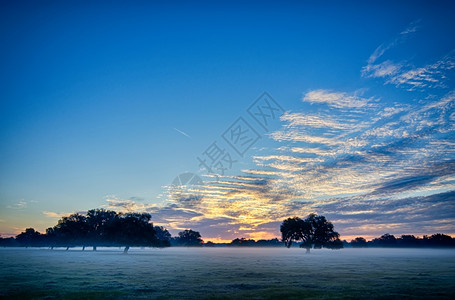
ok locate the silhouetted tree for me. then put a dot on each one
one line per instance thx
(314, 231)
(51, 237)
(439, 240)
(70, 231)
(209, 244)
(162, 234)
(292, 230)
(359, 242)
(134, 229)
(30, 238)
(408, 241)
(106, 228)
(189, 238)
(8, 242)
(242, 242)
(386, 240)
(334, 244)
(101, 226)
(268, 243)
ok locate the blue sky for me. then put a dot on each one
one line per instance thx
(103, 105)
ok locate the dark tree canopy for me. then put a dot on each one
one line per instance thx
(101, 227)
(385, 240)
(30, 238)
(209, 244)
(162, 234)
(134, 229)
(189, 238)
(314, 231)
(439, 239)
(242, 242)
(359, 242)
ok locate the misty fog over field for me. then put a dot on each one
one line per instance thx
(255, 273)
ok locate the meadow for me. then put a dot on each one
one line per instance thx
(227, 273)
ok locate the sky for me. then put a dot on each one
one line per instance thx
(229, 117)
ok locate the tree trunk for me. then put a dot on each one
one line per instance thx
(126, 249)
(307, 250)
(94, 248)
(67, 248)
(83, 248)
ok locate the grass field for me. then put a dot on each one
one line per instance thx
(228, 273)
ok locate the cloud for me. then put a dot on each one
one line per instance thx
(127, 205)
(403, 74)
(21, 204)
(384, 69)
(424, 177)
(54, 214)
(402, 150)
(383, 48)
(430, 76)
(382, 168)
(412, 215)
(335, 99)
(315, 121)
(295, 136)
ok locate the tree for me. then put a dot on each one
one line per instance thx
(242, 242)
(8, 242)
(292, 230)
(335, 244)
(29, 238)
(162, 234)
(268, 243)
(359, 242)
(106, 228)
(70, 231)
(134, 229)
(209, 244)
(100, 226)
(189, 238)
(314, 232)
(386, 240)
(407, 240)
(440, 239)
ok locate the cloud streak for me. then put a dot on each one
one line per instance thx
(335, 99)
(403, 74)
(367, 167)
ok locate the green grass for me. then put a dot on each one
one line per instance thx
(229, 273)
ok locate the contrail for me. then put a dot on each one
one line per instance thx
(179, 131)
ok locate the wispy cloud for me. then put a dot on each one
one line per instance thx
(21, 204)
(428, 76)
(335, 99)
(378, 168)
(383, 48)
(127, 205)
(52, 214)
(405, 75)
(360, 167)
(384, 69)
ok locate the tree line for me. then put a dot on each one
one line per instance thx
(407, 240)
(100, 227)
(316, 232)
